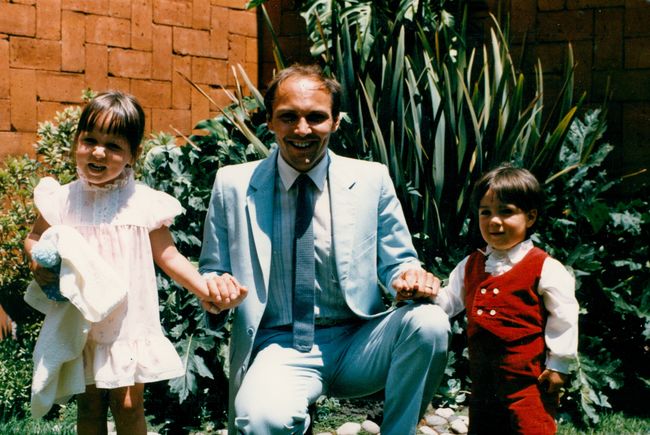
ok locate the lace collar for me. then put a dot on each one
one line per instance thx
(499, 262)
(121, 181)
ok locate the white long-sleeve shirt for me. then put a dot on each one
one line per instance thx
(556, 287)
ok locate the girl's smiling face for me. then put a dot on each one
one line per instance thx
(101, 157)
(503, 225)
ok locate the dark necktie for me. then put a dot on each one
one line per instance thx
(304, 269)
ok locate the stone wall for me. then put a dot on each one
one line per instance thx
(50, 50)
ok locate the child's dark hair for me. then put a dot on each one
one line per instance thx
(511, 185)
(298, 70)
(114, 112)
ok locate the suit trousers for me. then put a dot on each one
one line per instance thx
(403, 352)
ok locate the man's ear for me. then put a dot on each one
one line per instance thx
(531, 216)
(336, 124)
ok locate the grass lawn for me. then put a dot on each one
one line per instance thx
(331, 414)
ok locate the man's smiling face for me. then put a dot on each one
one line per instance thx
(302, 121)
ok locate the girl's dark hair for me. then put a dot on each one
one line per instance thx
(298, 70)
(114, 112)
(511, 185)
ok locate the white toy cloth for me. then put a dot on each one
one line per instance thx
(93, 290)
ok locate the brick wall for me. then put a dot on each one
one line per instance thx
(611, 41)
(50, 50)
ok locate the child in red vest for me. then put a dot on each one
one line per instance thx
(522, 314)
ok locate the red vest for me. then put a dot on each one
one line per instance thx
(508, 305)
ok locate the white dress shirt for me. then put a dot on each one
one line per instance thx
(556, 287)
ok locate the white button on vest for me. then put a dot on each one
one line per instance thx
(483, 291)
(495, 291)
(479, 311)
(492, 312)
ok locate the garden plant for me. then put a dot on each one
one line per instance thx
(438, 110)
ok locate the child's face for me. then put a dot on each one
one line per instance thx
(101, 157)
(503, 225)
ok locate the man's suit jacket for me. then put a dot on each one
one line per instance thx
(370, 240)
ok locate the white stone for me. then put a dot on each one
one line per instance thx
(444, 412)
(349, 428)
(426, 430)
(435, 420)
(458, 426)
(465, 419)
(320, 433)
(370, 427)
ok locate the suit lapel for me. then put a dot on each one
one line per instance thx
(343, 203)
(260, 212)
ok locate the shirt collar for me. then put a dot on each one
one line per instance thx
(318, 173)
(514, 254)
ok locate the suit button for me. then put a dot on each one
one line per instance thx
(250, 331)
(492, 312)
(483, 291)
(495, 291)
(479, 312)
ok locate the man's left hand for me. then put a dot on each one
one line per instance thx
(416, 284)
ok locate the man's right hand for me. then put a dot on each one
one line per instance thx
(225, 293)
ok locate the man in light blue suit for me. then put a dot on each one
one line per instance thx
(351, 345)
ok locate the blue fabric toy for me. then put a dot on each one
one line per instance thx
(45, 253)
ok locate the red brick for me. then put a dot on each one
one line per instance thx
(34, 53)
(180, 88)
(173, 12)
(292, 24)
(25, 2)
(119, 8)
(73, 35)
(220, 97)
(244, 23)
(219, 33)
(637, 19)
(17, 19)
(252, 50)
(523, 16)
(5, 114)
(47, 110)
(637, 53)
(99, 7)
(565, 26)
(208, 71)
(201, 14)
(584, 4)
(200, 107)
(96, 66)
(119, 83)
(608, 39)
(237, 49)
(129, 63)
(62, 87)
(152, 93)
(103, 30)
(48, 19)
(162, 53)
(5, 79)
(232, 4)
(550, 5)
(141, 25)
(626, 85)
(193, 42)
(14, 144)
(23, 99)
(169, 119)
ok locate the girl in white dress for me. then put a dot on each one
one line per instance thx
(128, 224)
